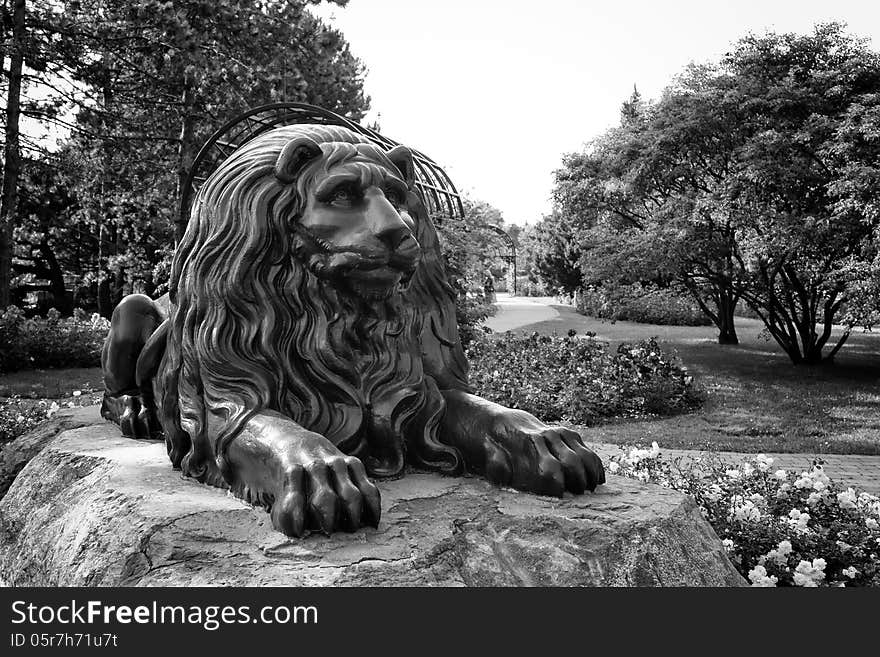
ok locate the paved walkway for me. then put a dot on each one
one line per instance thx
(514, 312)
(860, 471)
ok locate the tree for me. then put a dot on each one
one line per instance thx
(12, 149)
(145, 83)
(748, 180)
(555, 252)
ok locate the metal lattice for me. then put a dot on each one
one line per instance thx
(433, 185)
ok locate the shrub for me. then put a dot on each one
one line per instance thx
(51, 341)
(779, 528)
(471, 310)
(525, 287)
(647, 304)
(575, 379)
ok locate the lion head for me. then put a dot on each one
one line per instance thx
(299, 287)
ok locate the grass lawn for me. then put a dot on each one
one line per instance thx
(50, 384)
(757, 401)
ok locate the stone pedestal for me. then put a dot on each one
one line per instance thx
(94, 509)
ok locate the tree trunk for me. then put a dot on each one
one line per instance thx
(12, 154)
(185, 155)
(726, 324)
(61, 298)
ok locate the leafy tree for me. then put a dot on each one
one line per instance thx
(145, 83)
(753, 179)
(556, 249)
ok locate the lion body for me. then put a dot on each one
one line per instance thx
(254, 327)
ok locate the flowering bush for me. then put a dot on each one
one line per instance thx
(52, 341)
(780, 528)
(576, 379)
(647, 304)
(18, 416)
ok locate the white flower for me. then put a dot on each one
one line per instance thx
(20, 418)
(870, 503)
(733, 474)
(747, 469)
(850, 572)
(764, 462)
(77, 393)
(757, 499)
(728, 544)
(809, 574)
(779, 554)
(798, 520)
(783, 491)
(655, 450)
(814, 498)
(847, 499)
(781, 475)
(745, 512)
(52, 409)
(870, 523)
(613, 466)
(759, 578)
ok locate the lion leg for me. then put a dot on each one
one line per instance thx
(513, 448)
(300, 477)
(134, 322)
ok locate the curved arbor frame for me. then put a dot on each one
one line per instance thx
(435, 187)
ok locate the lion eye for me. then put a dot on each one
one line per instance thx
(394, 197)
(343, 195)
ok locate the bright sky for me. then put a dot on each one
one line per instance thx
(495, 91)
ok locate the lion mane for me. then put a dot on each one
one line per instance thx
(253, 329)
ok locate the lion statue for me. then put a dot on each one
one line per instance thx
(309, 342)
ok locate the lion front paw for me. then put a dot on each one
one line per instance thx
(524, 453)
(330, 495)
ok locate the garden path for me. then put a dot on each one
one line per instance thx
(514, 312)
(860, 471)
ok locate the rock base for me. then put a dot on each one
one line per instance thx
(95, 509)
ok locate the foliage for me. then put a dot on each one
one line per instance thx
(555, 253)
(471, 310)
(470, 248)
(18, 416)
(139, 86)
(754, 179)
(526, 286)
(51, 342)
(647, 304)
(575, 379)
(779, 528)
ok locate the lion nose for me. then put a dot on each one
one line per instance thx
(387, 225)
(394, 236)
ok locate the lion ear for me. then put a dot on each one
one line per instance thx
(294, 156)
(402, 158)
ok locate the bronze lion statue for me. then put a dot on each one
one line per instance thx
(309, 342)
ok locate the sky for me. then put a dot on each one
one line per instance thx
(496, 91)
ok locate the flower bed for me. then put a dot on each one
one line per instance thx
(576, 379)
(18, 415)
(780, 528)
